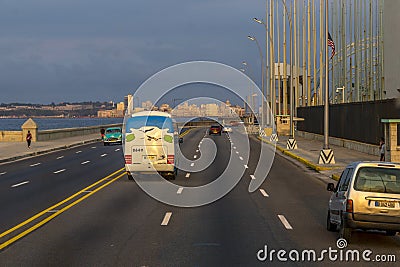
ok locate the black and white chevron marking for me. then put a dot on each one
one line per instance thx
(273, 138)
(326, 157)
(262, 133)
(291, 144)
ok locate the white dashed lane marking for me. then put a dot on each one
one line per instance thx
(179, 190)
(166, 219)
(240, 158)
(285, 222)
(3, 173)
(22, 183)
(195, 156)
(234, 147)
(103, 155)
(192, 164)
(187, 175)
(237, 152)
(246, 167)
(252, 177)
(118, 149)
(60, 157)
(93, 147)
(36, 164)
(77, 152)
(264, 193)
(197, 150)
(59, 171)
(85, 162)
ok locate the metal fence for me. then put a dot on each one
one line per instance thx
(353, 121)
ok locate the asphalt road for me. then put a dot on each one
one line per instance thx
(120, 225)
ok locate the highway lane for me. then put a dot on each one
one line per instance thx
(121, 225)
(29, 186)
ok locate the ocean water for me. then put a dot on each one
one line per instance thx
(57, 123)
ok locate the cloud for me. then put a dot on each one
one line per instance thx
(101, 50)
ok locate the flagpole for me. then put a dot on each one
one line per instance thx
(326, 108)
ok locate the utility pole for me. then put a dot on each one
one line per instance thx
(326, 155)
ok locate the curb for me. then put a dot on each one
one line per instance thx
(298, 158)
(41, 152)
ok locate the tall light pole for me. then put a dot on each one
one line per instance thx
(291, 142)
(326, 155)
(272, 88)
(252, 38)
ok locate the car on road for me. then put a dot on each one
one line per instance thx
(215, 129)
(227, 129)
(367, 197)
(112, 135)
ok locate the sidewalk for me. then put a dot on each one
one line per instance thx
(10, 151)
(308, 151)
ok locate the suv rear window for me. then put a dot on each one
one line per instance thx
(379, 180)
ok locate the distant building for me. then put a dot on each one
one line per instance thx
(391, 50)
(128, 103)
(121, 106)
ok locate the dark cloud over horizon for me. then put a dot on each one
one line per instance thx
(76, 50)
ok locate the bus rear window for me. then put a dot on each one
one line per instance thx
(157, 121)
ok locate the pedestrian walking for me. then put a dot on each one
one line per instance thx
(29, 139)
(102, 134)
(382, 149)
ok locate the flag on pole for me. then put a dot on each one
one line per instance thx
(331, 44)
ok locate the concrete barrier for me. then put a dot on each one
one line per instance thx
(11, 136)
(47, 135)
(350, 144)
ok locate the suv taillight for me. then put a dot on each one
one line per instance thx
(349, 205)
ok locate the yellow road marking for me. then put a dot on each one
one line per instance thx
(185, 133)
(5, 244)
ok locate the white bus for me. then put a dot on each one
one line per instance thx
(150, 138)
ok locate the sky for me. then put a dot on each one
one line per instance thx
(99, 50)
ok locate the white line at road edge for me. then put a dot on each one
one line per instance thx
(85, 162)
(187, 175)
(60, 157)
(16, 185)
(264, 193)
(252, 176)
(103, 155)
(59, 171)
(179, 190)
(166, 219)
(192, 164)
(285, 222)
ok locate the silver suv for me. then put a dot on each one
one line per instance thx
(367, 197)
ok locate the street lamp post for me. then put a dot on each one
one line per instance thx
(291, 144)
(272, 68)
(252, 38)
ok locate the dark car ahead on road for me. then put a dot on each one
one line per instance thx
(215, 129)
